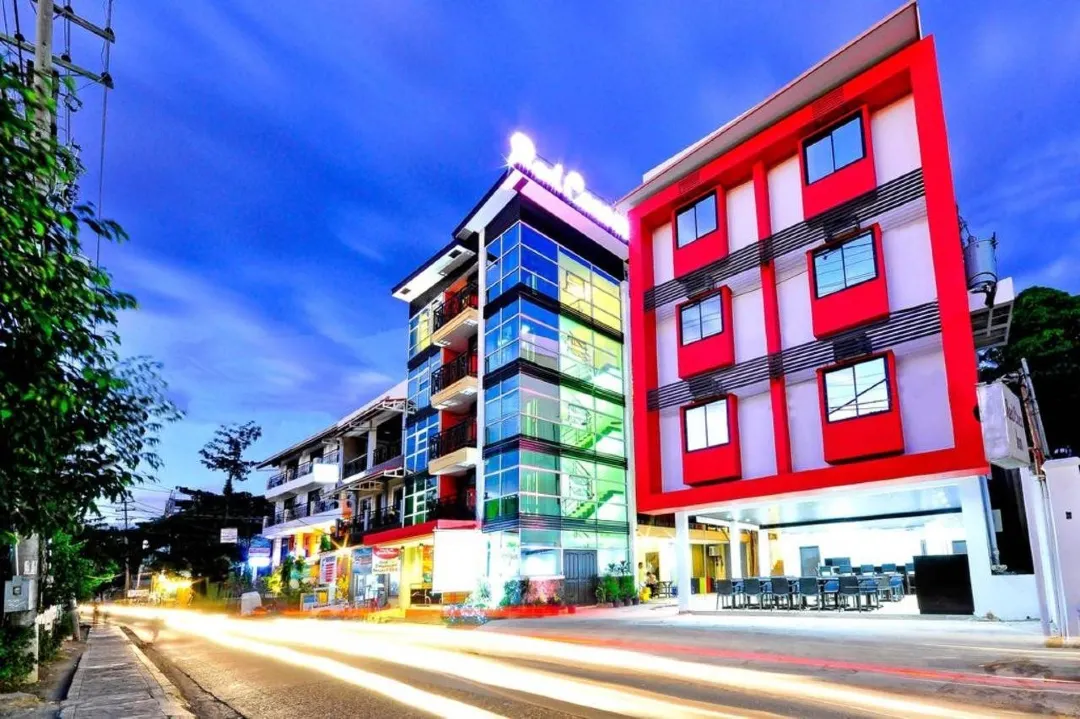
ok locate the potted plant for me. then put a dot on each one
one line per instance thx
(611, 589)
(601, 593)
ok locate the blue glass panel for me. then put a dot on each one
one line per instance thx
(538, 242)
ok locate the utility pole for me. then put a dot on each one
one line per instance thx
(127, 551)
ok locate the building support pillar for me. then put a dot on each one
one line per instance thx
(683, 559)
(978, 545)
(764, 554)
(736, 570)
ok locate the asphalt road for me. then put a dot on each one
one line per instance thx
(603, 665)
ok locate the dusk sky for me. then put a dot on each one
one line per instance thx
(280, 166)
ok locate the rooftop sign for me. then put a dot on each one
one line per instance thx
(570, 186)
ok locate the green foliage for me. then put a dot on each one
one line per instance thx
(515, 592)
(71, 575)
(610, 583)
(1046, 331)
(15, 663)
(225, 452)
(325, 545)
(77, 424)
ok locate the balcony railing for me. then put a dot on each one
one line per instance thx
(354, 466)
(302, 511)
(462, 506)
(353, 530)
(291, 473)
(383, 453)
(463, 365)
(465, 298)
(386, 452)
(450, 440)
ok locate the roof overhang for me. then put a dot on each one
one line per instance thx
(437, 268)
(890, 35)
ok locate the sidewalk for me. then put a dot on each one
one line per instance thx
(115, 679)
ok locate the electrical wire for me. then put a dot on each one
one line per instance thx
(18, 34)
(106, 53)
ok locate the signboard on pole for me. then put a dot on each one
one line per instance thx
(1002, 419)
(385, 560)
(228, 535)
(327, 569)
(260, 547)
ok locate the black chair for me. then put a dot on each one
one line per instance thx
(830, 589)
(782, 589)
(751, 589)
(738, 593)
(868, 590)
(725, 593)
(768, 599)
(808, 589)
(849, 590)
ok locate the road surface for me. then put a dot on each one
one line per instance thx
(604, 664)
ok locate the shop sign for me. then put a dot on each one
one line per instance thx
(1002, 418)
(259, 547)
(570, 186)
(427, 562)
(228, 535)
(459, 559)
(361, 560)
(327, 570)
(385, 560)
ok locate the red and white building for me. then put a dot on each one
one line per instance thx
(803, 354)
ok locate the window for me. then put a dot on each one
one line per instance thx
(416, 442)
(707, 425)
(846, 265)
(701, 319)
(420, 331)
(836, 148)
(695, 221)
(857, 390)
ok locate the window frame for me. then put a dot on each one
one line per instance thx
(888, 381)
(828, 133)
(704, 405)
(838, 244)
(697, 302)
(692, 205)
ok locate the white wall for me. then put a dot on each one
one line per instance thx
(796, 318)
(896, 140)
(663, 262)
(785, 194)
(804, 426)
(667, 345)
(909, 265)
(756, 443)
(671, 453)
(924, 401)
(741, 217)
(748, 318)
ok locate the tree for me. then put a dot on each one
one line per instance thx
(77, 424)
(225, 452)
(70, 574)
(1046, 331)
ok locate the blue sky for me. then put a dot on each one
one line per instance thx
(280, 166)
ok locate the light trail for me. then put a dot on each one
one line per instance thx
(440, 650)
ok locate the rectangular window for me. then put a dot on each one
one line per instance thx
(707, 426)
(842, 266)
(695, 221)
(857, 390)
(701, 319)
(836, 148)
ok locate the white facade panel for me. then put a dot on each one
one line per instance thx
(895, 136)
(785, 194)
(796, 319)
(909, 265)
(748, 323)
(662, 251)
(804, 426)
(924, 401)
(756, 442)
(667, 345)
(741, 217)
(671, 453)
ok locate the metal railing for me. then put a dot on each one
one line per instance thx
(290, 473)
(354, 466)
(450, 440)
(368, 522)
(386, 452)
(383, 453)
(463, 365)
(465, 298)
(302, 511)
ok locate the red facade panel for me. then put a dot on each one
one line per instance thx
(846, 183)
(705, 249)
(713, 464)
(873, 435)
(859, 304)
(711, 352)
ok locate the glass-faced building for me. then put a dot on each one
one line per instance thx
(517, 381)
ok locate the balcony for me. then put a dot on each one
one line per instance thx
(453, 450)
(388, 523)
(321, 471)
(454, 385)
(388, 462)
(321, 513)
(456, 319)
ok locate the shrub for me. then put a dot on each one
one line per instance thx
(15, 663)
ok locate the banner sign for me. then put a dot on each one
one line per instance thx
(260, 547)
(228, 535)
(385, 560)
(361, 560)
(327, 570)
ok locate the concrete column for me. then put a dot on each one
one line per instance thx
(1035, 511)
(481, 299)
(978, 546)
(372, 441)
(736, 570)
(275, 553)
(1062, 500)
(683, 559)
(764, 554)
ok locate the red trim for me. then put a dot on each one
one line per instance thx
(844, 184)
(718, 463)
(874, 435)
(912, 70)
(707, 248)
(709, 352)
(400, 534)
(853, 306)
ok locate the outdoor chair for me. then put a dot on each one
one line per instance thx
(849, 591)
(896, 587)
(782, 589)
(831, 589)
(752, 589)
(725, 593)
(807, 588)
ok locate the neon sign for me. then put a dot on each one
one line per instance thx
(568, 185)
